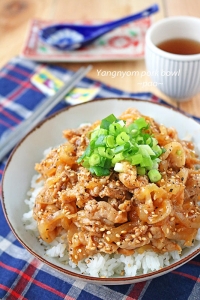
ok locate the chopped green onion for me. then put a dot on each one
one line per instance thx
(157, 150)
(99, 171)
(100, 141)
(155, 142)
(105, 123)
(110, 141)
(108, 153)
(113, 142)
(132, 128)
(115, 129)
(141, 123)
(107, 163)
(122, 138)
(146, 150)
(102, 131)
(118, 157)
(94, 159)
(94, 134)
(139, 140)
(154, 175)
(146, 162)
(141, 170)
(137, 159)
(85, 154)
(121, 122)
(85, 163)
(121, 148)
(149, 140)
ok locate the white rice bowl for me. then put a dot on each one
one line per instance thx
(101, 268)
(99, 265)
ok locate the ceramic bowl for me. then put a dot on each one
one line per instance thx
(20, 169)
(175, 75)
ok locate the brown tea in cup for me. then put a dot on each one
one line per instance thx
(180, 46)
(176, 75)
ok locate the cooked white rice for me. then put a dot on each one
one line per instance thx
(99, 265)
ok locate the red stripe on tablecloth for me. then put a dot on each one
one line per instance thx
(8, 115)
(23, 72)
(12, 269)
(193, 262)
(25, 84)
(24, 280)
(18, 70)
(136, 291)
(26, 277)
(19, 90)
(12, 97)
(187, 275)
(5, 124)
(11, 117)
(48, 288)
(13, 293)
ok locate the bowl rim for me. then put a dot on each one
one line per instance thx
(84, 277)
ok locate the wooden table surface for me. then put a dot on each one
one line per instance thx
(15, 16)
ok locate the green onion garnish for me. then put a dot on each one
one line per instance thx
(154, 175)
(113, 142)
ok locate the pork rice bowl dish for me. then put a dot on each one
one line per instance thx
(119, 198)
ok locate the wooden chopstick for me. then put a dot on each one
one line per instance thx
(44, 108)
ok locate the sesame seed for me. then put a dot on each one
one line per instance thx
(127, 240)
(93, 248)
(107, 248)
(102, 229)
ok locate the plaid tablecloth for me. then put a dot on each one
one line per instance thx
(24, 277)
